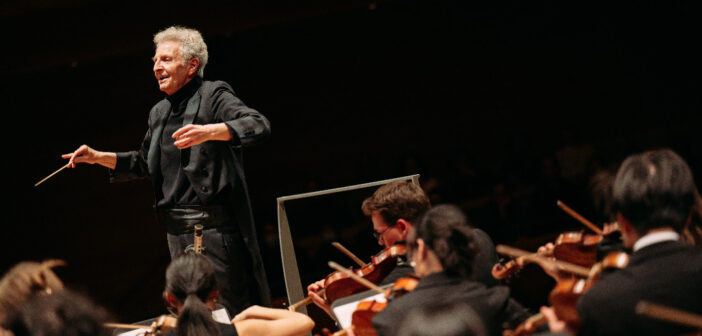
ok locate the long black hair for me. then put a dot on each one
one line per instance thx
(445, 229)
(190, 278)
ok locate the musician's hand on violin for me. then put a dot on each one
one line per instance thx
(550, 269)
(164, 324)
(608, 228)
(85, 154)
(316, 298)
(554, 323)
(546, 250)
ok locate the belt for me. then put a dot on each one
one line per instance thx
(182, 219)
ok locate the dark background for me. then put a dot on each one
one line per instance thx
(502, 107)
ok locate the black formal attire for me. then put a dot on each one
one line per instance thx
(484, 260)
(205, 184)
(482, 266)
(667, 273)
(496, 308)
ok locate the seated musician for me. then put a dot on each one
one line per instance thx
(23, 281)
(191, 289)
(61, 313)
(653, 196)
(443, 249)
(392, 209)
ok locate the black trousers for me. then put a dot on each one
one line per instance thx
(224, 246)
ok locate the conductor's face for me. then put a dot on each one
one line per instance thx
(170, 69)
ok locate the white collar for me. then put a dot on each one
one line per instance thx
(655, 237)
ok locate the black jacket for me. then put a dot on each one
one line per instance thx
(666, 273)
(211, 165)
(496, 308)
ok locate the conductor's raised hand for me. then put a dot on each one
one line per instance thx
(85, 154)
(193, 134)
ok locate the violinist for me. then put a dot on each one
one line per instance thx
(443, 249)
(392, 209)
(191, 288)
(24, 281)
(653, 195)
(61, 313)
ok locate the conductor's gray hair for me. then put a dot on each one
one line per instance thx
(192, 45)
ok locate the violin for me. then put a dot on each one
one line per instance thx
(527, 327)
(338, 284)
(572, 247)
(366, 310)
(575, 247)
(162, 325)
(566, 293)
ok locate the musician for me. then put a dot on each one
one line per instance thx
(653, 195)
(191, 289)
(24, 281)
(443, 249)
(62, 313)
(192, 154)
(392, 209)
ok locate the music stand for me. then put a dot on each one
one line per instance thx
(291, 272)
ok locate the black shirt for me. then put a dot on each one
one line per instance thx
(176, 187)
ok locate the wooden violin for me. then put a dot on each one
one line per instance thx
(366, 310)
(564, 295)
(161, 326)
(575, 247)
(338, 284)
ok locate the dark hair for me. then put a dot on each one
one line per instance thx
(601, 192)
(190, 278)
(654, 189)
(63, 313)
(397, 200)
(25, 280)
(445, 230)
(692, 233)
(442, 319)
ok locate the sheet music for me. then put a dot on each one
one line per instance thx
(219, 315)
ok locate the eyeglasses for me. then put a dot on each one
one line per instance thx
(377, 235)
